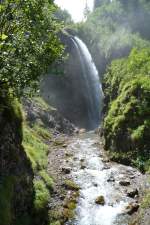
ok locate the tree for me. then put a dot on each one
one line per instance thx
(98, 3)
(28, 42)
(86, 11)
(63, 16)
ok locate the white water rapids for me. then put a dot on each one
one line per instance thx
(93, 181)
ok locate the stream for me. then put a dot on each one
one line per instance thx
(96, 176)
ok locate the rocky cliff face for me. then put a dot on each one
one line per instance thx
(16, 188)
(49, 116)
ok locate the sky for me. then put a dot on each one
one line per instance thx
(75, 7)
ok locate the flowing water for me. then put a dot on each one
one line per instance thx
(95, 175)
(100, 178)
(92, 90)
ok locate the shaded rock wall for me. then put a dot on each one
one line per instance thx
(16, 188)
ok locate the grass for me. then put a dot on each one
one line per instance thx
(42, 195)
(42, 104)
(35, 148)
(35, 142)
(146, 200)
(47, 179)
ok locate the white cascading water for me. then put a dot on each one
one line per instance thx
(92, 91)
(98, 178)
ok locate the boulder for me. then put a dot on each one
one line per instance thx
(124, 182)
(132, 208)
(100, 200)
(132, 193)
(66, 170)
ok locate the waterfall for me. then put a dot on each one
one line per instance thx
(77, 94)
(92, 89)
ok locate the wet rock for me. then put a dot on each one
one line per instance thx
(68, 154)
(82, 160)
(106, 167)
(100, 200)
(111, 179)
(132, 208)
(64, 145)
(66, 170)
(124, 182)
(70, 185)
(75, 158)
(132, 193)
(105, 160)
(83, 167)
(81, 131)
(132, 177)
(95, 185)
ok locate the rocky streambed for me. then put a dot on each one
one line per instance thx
(109, 191)
(106, 193)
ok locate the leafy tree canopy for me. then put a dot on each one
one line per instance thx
(28, 42)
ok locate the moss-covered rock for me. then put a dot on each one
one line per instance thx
(16, 175)
(100, 200)
(127, 124)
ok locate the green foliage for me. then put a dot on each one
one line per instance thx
(146, 200)
(127, 125)
(47, 179)
(63, 16)
(41, 103)
(111, 31)
(6, 194)
(35, 142)
(35, 148)
(28, 42)
(123, 70)
(42, 195)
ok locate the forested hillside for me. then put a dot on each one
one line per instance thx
(114, 28)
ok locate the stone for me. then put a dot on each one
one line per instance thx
(111, 179)
(132, 193)
(81, 131)
(83, 167)
(64, 145)
(132, 208)
(70, 185)
(105, 160)
(124, 182)
(100, 200)
(82, 160)
(106, 167)
(66, 170)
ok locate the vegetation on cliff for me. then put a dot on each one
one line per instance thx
(113, 29)
(15, 169)
(127, 124)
